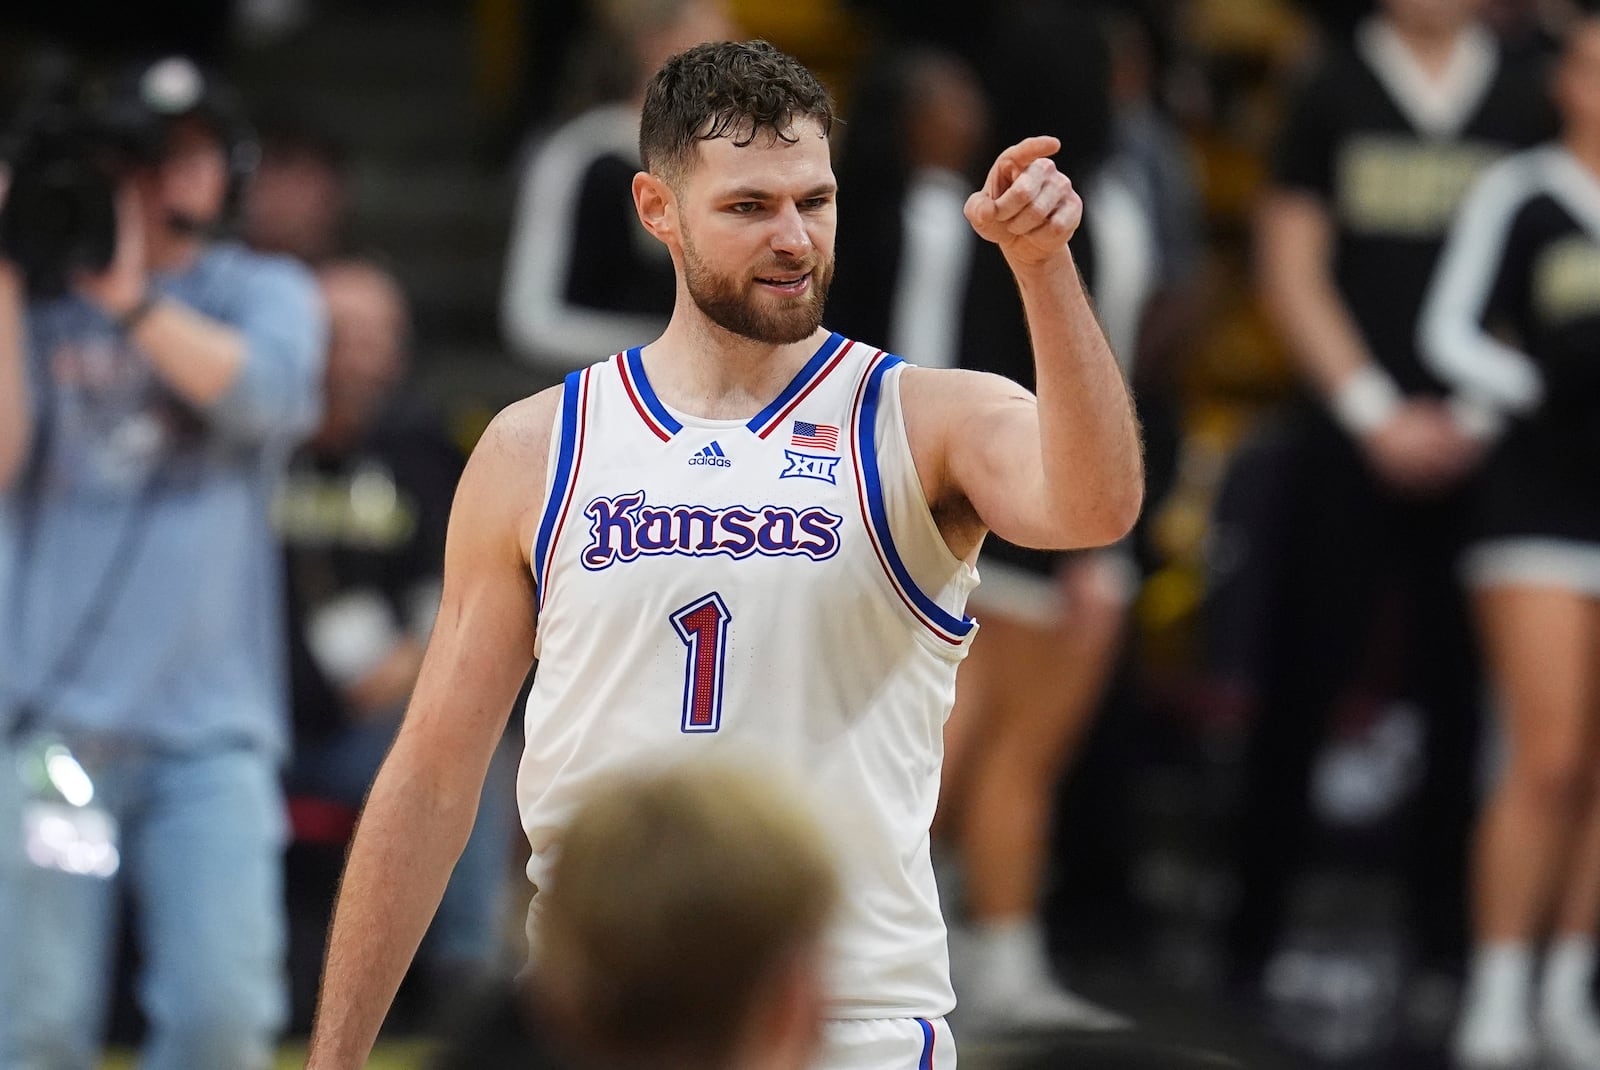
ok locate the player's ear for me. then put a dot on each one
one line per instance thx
(657, 207)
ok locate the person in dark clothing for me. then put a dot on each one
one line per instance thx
(362, 517)
(1376, 151)
(917, 124)
(581, 276)
(1513, 321)
(1053, 622)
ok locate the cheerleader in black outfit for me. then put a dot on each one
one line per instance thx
(1513, 322)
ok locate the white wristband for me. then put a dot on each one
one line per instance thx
(1478, 421)
(1367, 400)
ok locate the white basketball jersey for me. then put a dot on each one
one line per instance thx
(775, 586)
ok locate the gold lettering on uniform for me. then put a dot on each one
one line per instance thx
(1566, 280)
(1405, 188)
(363, 511)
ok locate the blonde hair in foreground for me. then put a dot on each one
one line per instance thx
(681, 900)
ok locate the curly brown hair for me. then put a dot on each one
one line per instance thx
(728, 89)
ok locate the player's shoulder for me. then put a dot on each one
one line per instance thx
(502, 487)
(521, 431)
(922, 387)
(514, 447)
(939, 407)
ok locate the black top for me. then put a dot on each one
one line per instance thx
(1514, 321)
(1393, 187)
(370, 519)
(608, 270)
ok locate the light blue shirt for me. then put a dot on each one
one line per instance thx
(151, 516)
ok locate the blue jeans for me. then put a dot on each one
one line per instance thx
(467, 932)
(202, 839)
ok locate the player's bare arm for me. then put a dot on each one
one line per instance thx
(425, 798)
(1058, 471)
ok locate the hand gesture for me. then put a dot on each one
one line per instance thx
(1026, 206)
(121, 286)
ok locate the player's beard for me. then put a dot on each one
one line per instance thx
(736, 305)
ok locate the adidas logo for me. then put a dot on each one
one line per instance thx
(712, 456)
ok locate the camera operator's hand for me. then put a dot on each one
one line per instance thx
(122, 286)
(199, 357)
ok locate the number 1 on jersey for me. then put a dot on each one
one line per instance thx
(703, 627)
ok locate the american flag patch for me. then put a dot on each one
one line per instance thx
(815, 436)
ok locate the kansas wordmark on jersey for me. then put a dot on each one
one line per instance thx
(774, 586)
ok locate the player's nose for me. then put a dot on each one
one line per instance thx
(789, 235)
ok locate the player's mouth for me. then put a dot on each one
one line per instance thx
(788, 285)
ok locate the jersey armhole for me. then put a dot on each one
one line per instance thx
(920, 535)
(566, 454)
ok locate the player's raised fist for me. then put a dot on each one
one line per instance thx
(1026, 206)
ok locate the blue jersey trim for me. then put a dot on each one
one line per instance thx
(558, 486)
(647, 393)
(867, 437)
(926, 1062)
(818, 359)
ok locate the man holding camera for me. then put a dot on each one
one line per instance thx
(145, 413)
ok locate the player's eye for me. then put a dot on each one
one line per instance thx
(744, 207)
(812, 204)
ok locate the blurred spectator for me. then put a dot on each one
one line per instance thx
(583, 279)
(299, 198)
(1151, 156)
(1153, 159)
(1052, 622)
(915, 129)
(682, 928)
(1376, 150)
(1513, 323)
(1148, 147)
(142, 432)
(362, 516)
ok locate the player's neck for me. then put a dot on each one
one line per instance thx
(707, 371)
(1431, 45)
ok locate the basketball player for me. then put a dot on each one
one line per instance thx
(749, 533)
(1524, 262)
